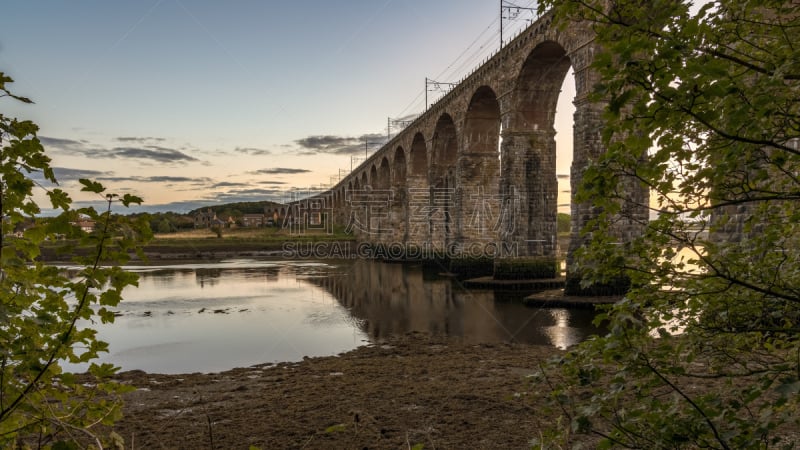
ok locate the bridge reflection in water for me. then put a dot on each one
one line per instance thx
(389, 299)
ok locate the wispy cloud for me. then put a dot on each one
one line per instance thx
(65, 144)
(157, 179)
(235, 184)
(141, 140)
(339, 145)
(278, 171)
(69, 174)
(150, 153)
(252, 151)
(66, 175)
(252, 195)
(325, 143)
(228, 184)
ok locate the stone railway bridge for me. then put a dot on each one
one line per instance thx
(474, 176)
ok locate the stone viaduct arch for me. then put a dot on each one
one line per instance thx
(475, 175)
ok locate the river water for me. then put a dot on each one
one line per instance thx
(217, 316)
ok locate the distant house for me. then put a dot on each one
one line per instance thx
(219, 223)
(205, 219)
(253, 220)
(274, 215)
(86, 225)
(21, 227)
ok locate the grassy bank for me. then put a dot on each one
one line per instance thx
(243, 236)
(237, 242)
(205, 244)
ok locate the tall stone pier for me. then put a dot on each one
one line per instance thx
(472, 183)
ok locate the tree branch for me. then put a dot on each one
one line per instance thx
(688, 399)
(68, 332)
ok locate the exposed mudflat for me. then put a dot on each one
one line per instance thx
(406, 391)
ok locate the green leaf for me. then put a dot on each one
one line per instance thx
(103, 371)
(91, 186)
(59, 199)
(128, 199)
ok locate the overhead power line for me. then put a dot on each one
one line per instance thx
(511, 11)
(507, 23)
(436, 86)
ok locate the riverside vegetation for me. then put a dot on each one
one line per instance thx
(41, 308)
(704, 352)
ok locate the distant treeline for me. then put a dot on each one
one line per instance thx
(170, 221)
(237, 209)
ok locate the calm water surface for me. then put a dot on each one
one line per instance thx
(213, 317)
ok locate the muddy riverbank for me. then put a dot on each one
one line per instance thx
(405, 391)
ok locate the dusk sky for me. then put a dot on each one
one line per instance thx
(190, 103)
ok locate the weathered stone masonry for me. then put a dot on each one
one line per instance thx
(478, 168)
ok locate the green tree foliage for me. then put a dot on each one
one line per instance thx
(176, 221)
(230, 212)
(704, 109)
(181, 221)
(44, 309)
(217, 230)
(239, 208)
(164, 226)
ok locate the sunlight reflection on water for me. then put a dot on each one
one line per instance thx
(216, 316)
